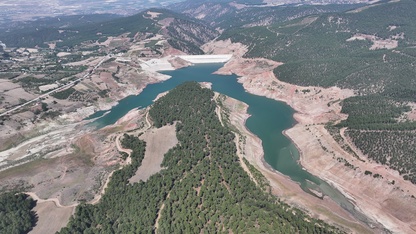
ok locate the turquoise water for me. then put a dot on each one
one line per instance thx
(268, 119)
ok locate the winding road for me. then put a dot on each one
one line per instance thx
(54, 200)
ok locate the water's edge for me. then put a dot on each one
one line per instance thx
(268, 120)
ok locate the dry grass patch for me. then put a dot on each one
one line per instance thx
(158, 142)
(51, 217)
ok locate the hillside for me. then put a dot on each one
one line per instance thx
(334, 49)
(203, 187)
(361, 50)
(235, 14)
(85, 67)
(185, 33)
(15, 32)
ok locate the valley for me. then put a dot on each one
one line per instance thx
(351, 91)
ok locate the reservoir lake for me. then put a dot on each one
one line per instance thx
(269, 118)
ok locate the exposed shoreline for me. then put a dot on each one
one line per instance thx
(309, 111)
(316, 106)
(282, 186)
(256, 76)
(392, 205)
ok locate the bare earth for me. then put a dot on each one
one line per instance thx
(66, 161)
(378, 43)
(76, 162)
(158, 142)
(377, 198)
(389, 204)
(51, 217)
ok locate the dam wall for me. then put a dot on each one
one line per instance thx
(216, 58)
(163, 64)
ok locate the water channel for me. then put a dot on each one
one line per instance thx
(269, 118)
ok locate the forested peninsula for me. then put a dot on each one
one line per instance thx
(203, 187)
